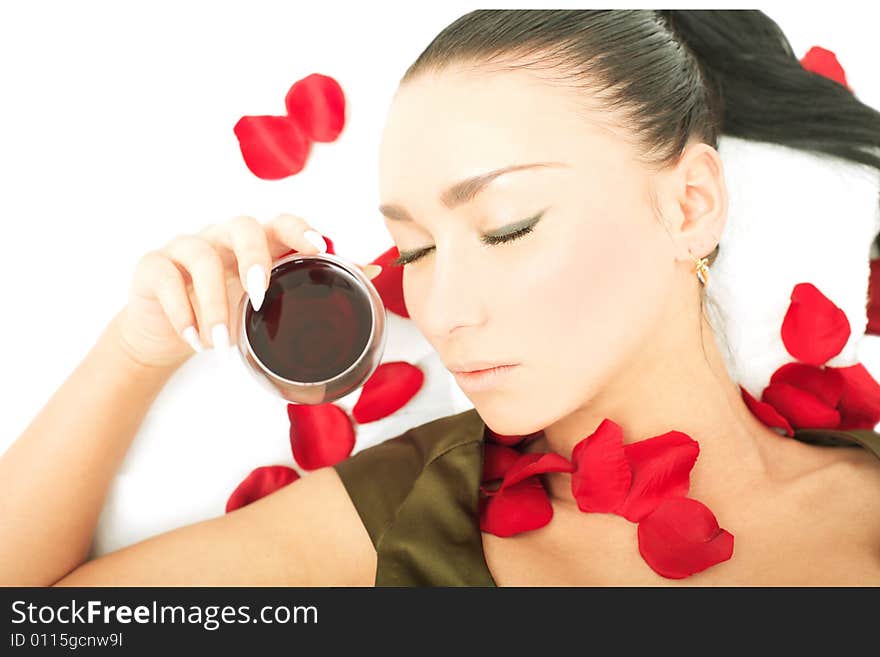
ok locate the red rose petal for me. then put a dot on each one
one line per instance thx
(533, 464)
(814, 329)
(825, 383)
(389, 388)
(682, 537)
(661, 468)
(497, 460)
(320, 434)
(824, 62)
(259, 483)
(860, 403)
(802, 409)
(766, 413)
(317, 104)
(601, 477)
(852, 421)
(522, 507)
(273, 147)
(389, 283)
(873, 308)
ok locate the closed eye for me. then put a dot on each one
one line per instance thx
(407, 257)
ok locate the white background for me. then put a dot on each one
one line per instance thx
(116, 122)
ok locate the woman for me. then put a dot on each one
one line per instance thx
(573, 262)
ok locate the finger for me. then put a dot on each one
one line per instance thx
(168, 285)
(205, 267)
(246, 238)
(371, 270)
(288, 231)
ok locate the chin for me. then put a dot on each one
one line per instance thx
(505, 421)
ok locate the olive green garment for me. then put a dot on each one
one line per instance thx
(418, 497)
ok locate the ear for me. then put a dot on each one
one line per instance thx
(698, 194)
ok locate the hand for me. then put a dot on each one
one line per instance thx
(182, 294)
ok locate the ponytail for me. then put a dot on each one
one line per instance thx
(762, 92)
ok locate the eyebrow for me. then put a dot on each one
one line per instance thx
(464, 191)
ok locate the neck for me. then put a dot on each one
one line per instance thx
(673, 385)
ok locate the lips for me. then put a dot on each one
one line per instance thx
(482, 380)
(475, 366)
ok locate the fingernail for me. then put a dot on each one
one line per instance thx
(374, 270)
(256, 285)
(315, 238)
(220, 338)
(189, 334)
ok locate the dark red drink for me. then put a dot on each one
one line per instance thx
(315, 322)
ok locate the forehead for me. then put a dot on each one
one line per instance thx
(450, 125)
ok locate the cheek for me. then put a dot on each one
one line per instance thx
(591, 299)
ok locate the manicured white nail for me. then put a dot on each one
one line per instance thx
(189, 334)
(220, 338)
(315, 238)
(256, 285)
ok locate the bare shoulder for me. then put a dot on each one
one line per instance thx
(851, 486)
(858, 466)
(326, 531)
(829, 510)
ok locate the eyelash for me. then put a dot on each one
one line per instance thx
(408, 258)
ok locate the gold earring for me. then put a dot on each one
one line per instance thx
(702, 269)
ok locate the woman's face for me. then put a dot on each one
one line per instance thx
(574, 301)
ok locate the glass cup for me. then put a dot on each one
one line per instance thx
(320, 332)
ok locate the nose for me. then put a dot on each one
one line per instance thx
(452, 298)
